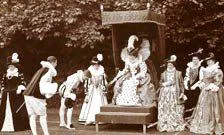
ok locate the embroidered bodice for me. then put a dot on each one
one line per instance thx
(11, 83)
(97, 74)
(212, 74)
(170, 76)
(193, 74)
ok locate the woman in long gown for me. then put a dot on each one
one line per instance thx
(192, 77)
(208, 116)
(171, 98)
(95, 92)
(133, 85)
(12, 117)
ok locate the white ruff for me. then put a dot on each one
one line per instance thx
(12, 73)
(8, 122)
(213, 67)
(192, 65)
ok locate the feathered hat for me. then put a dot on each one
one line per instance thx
(211, 56)
(97, 59)
(198, 53)
(131, 42)
(171, 59)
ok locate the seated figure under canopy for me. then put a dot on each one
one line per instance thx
(133, 85)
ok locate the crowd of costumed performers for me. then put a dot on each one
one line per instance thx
(192, 101)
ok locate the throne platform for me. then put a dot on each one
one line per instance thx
(116, 114)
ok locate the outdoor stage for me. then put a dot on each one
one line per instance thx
(107, 129)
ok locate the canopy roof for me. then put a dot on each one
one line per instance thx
(139, 16)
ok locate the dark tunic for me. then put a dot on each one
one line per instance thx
(32, 88)
(20, 119)
(192, 95)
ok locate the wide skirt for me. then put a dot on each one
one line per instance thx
(13, 116)
(208, 116)
(170, 113)
(92, 103)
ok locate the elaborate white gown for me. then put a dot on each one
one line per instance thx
(208, 116)
(170, 111)
(133, 85)
(95, 97)
(129, 93)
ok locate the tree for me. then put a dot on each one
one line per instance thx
(192, 22)
(77, 21)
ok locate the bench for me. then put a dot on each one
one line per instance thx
(126, 115)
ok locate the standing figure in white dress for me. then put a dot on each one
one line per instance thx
(171, 99)
(133, 85)
(96, 89)
(208, 116)
(68, 96)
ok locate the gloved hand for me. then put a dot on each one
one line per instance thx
(20, 89)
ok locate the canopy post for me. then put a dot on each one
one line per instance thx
(115, 47)
(161, 41)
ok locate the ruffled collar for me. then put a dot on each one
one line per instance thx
(126, 57)
(171, 70)
(213, 67)
(96, 71)
(80, 75)
(192, 65)
(11, 73)
(48, 65)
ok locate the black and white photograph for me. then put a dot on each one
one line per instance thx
(111, 67)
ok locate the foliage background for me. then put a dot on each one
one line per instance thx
(72, 31)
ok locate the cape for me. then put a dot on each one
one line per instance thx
(32, 88)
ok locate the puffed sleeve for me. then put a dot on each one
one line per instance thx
(22, 85)
(105, 79)
(187, 78)
(181, 82)
(219, 77)
(143, 70)
(50, 67)
(126, 67)
(162, 80)
(22, 80)
(218, 81)
(121, 73)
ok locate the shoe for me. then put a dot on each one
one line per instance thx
(71, 126)
(62, 125)
(88, 123)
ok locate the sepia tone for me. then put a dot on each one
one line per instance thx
(111, 67)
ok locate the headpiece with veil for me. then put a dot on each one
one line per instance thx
(143, 50)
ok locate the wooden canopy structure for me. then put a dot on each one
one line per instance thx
(126, 23)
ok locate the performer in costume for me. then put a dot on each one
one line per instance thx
(171, 99)
(12, 86)
(38, 90)
(133, 85)
(192, 77)
(208, 116)
(96, 88)
(68, 96)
